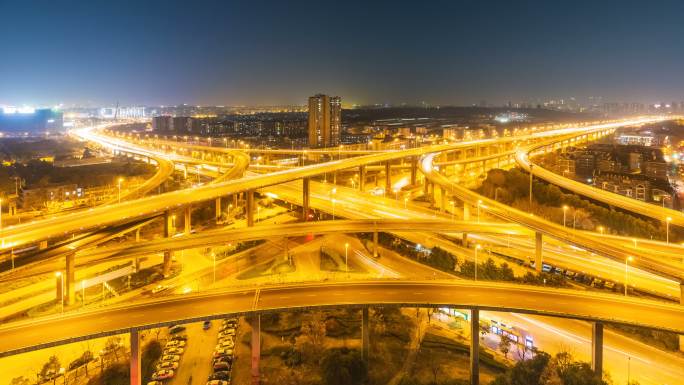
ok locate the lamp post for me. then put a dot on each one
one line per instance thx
(120, 181)
(565, 210)
(627, 260)
(346, 257)
(477, 247)
(667, 229)
(600, 229)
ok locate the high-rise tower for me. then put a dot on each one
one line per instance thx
(325, 120)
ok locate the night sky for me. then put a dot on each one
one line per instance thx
(274, 52)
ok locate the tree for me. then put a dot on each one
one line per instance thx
(50, 368)
(310, 341)
(21, 380)
(505, 344)
(112, 346)
(343, 367)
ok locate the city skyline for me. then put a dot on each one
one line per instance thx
(272, 54)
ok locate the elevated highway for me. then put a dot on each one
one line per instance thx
(659, 213)
(665, 267)
(77, 326)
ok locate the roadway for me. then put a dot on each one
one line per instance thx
(76, 326)
(665, 267)
(522, 157)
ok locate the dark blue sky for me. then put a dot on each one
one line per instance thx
(273, 52)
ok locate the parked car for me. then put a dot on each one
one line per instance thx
(223, 352)
(217, 382)
(206, 325)
(155, 383)
(176, 329)
(221, 365)
(171, 357)
(226, 333)
(227, 344)
(220, 375)
(167, 365)
(163, 374)
(170, 351)
(179, 337)
(175, 344)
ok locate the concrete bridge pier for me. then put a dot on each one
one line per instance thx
(249, 208)
(136, 364)
(597, 347)
(681, 302)
(388, 179)
(218, 209)
(69, 290)
(166, 267)
(414, 170)
(256, 347)
(187, 219)
(362, 178)
(306, 194)
(375, 244)
(365, 334)
(538, 243)
(475, 347)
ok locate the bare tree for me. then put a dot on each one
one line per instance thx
(505, 344)
(310, 341)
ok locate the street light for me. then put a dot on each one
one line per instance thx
(120, 181)
(600, 228)
(667, 228)
(346, 257)
(627, 260)
(565, 210)
(477, 247)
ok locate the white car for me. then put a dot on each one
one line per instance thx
(225, 344)
(171, 357)
(175, 344)
(166, 365)
(172, 351)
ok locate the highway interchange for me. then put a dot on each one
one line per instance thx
(661, 269)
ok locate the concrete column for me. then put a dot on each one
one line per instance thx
(466, 211)
(256, 348)
(136, 364)
(365, 334)
(59, 290)
(414, 170)
(362, 178)
(597, 347)
(681, 302)
(538, 251)
(167, 224)
(69, 283)
(187, 219)
(218, 209)
(235, 200)
(306, 193)
(250, 208)
(375, 244)
(388, 179)
(137, 234)
(166, 267)
(475, 347)
(442, 199)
